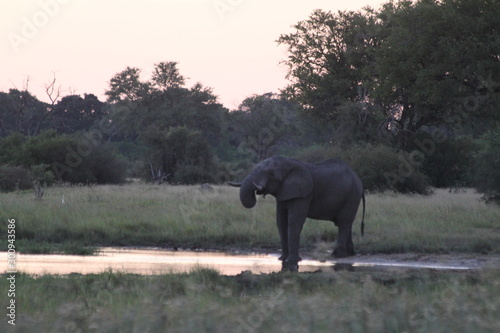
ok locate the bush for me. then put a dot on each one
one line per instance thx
(12, 150)
(41, 174)
(383, 168)
(449, 163)
(319, 153)
(68, 158)
(182, 154)
(487, 176)
(380, 167)
(15, 178)
(102, 166)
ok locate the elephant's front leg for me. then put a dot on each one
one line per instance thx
(282, 222)
(297, 213)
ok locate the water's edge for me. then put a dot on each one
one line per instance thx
(157, 261)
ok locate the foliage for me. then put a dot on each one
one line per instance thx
(357, 122)
(188, 217)
(369, 86)
(42, 174)
(380, 167)
(205, 301)
(488, 166)
(11, 149)
(263, 122)
(20, 112)
(14, 178)
(179, 154)
(417, 64)
(449, 162)
(136, 105)
(162, 115)
(74, 113)
(50, 156)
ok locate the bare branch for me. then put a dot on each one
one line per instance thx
(52, 93)
(72, 91)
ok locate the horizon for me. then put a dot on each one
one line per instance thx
(218, 43)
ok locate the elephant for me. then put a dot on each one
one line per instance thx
(329, 190)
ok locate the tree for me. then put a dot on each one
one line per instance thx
(69, 158)
(126, 86)
(487, 175)
(165, 103)
(74, 113)
(176, 125)
(434, 56)
(53, 94)
(166, 75)
(20, 112)
(178, 155)
(327, 57)
(418, 63)
(262, 122)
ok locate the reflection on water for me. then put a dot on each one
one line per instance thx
(145, 261)
(153, 261)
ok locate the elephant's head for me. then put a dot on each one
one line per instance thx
(283, 178)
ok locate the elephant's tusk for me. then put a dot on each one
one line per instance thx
(259, 187)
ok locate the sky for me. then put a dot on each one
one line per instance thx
(228, 45)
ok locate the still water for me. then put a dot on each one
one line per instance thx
(155, 261)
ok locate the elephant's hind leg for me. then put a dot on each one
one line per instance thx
(345, 246)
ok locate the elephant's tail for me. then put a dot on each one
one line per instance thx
(363, 218)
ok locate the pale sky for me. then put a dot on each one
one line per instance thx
(228, 45)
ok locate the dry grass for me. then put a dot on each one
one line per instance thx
(203, 301)
(442, 222)
(186, 217)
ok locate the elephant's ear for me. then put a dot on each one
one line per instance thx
(298, 183)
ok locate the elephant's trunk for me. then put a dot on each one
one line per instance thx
(247, 192)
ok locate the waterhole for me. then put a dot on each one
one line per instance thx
(158, 261)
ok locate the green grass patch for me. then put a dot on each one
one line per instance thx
(204, 301)
(185, 217)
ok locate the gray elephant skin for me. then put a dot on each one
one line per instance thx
(329, 190)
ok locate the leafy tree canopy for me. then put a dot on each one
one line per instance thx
(418, 63)
(163, 102)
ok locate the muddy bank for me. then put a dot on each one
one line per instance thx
(155, 261)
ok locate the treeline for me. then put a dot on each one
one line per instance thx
(407, 94)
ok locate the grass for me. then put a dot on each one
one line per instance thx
(204, 301)
(185, 217)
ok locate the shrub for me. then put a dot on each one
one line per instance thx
(50, 155)
(15, 178)
(380, 167)
(182, 154)
(41, 174)
(319, 153)
(449, 163)
(12, 150)
(102, 166)
(487, 176)
(383, 168)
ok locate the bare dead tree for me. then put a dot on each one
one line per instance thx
(39, 190)
(72, 91)
(24, 96)
(53, 94)
(158, 176)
